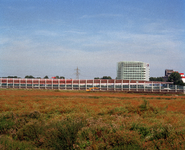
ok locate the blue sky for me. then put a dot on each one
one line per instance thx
(54, 37)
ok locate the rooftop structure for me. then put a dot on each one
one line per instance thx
(168, 72)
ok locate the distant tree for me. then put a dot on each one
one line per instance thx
(56, 77)
(30, 76)
(46, 77)
(106, 77)
(12, 77)
(175, 77)
(62, 77)
(156, 79)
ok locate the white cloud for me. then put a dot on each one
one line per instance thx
(3, 41)
(75, 32)
(46, 33)
(100, 16)
(95, 55)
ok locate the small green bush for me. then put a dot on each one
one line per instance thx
(9, 144)
(35, 114)
(63, 134)
(6, 122)
(161, 132)
(118, 111)
(143, 130)
(30, 132)
(144, 106)
(100, 135)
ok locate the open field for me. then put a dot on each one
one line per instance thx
(60, 119)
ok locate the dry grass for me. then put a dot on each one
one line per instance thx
(98, 120)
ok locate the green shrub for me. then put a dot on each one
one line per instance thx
(35, 114)
(6, 122)
(161, 132)
(30, 132)
(9, 144)
(94, 97)
(143, 130)
(127, 147)
(100, 135)
(63, 134)
(118, 111)
(144, 106)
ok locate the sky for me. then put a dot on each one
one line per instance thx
(54, 37)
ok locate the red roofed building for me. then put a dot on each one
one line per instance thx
(182, 76)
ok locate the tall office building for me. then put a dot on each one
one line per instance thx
(133, 70)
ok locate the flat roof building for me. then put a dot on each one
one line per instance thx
(168, 72)
(133, 70)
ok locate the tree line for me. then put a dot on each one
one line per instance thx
(104, 77)
(46, 77)
(32, 77)
(175, 77)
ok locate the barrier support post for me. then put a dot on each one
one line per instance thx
(13, 83)
(93, 84)
(59, 84)
(52, 84)
(6, 82)
(32, 83)
(100, 84)
(86, 84)
(65, 84)
(114, 85)
(72, 84)
(26, 83)
(19, 83)
(1, 83)
(107, 85)
(39, 83)
(121, 85)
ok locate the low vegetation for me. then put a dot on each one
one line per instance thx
(46, 119)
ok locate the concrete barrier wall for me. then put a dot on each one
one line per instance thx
(84, 84)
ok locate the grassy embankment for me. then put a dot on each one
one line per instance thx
(45, 119)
